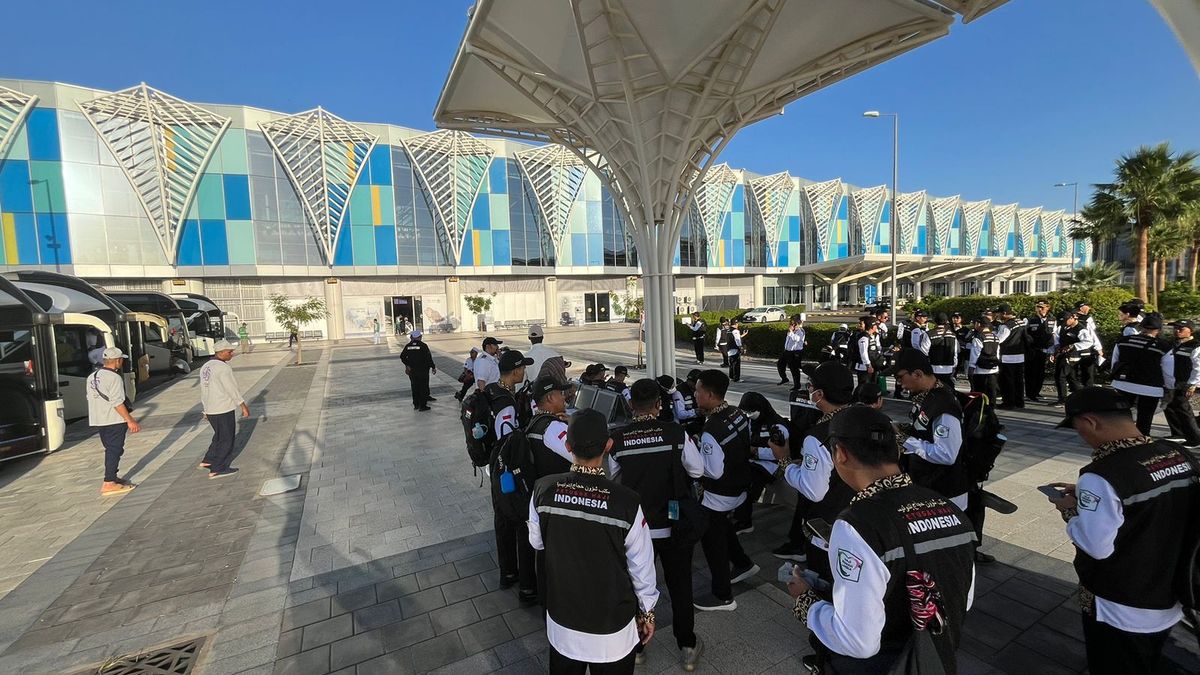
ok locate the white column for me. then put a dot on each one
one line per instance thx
(698, 298)
(187, 286)
(833, 295)
(454, 305)
(551, 289)
(917, 289)
(759, 293)
(335, 325)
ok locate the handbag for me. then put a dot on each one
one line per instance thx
(919, 655)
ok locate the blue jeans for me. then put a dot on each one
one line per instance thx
(112, 436)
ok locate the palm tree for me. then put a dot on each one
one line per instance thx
(1151, 185)
(1167, 240)
(1103, 219)
(1094, 276)
(1189, 222)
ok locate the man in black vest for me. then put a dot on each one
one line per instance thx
(1087, 364)
(1185, 377)
(658, 461)
(1141, 365)
(725, 447)
(890, 518)
(599, 597)
(548, 440)
(839, 343)
(1039, 336)
(1129, 516)
(932, 440)
(722, 342)
(964, 333)
(943, 351)
(418, 364)
(1072, 343)
(512, 538)
(1011, 334)
(699, 332)
(984, 361)
(683, 402)
(865, 356)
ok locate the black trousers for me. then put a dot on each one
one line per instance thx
(676, 561)
(792, 360)
(986, 384)
(1066, 377)
(112, 436)
(1012, 384)
(964, 357)
(419, 380)
(1180, 417)
(735, 366)
(863, 377)
(220, 450)
(760, 478)
(976, 511)
(1035, 373)
(1087, 370)
(724, 355)
(1144, 407)
(698, 345)
(1112, 651)
(721, 547)
(561, 665)
(516, 555)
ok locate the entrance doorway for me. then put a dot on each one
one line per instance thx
(595, 307)
(404, 313)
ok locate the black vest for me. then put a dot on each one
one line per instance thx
(1140, 359)
(584, 520)
(964, 335)
(1015, 342)
(731, 429)
(696, 424)
(1161, 504)
(1183, 361)
(1040, 332)
(724, 339)
(951, 480)
(1068, 336)
(872, 349)
(942, 537)
(546, 462)
(838, 496)
(500, 398)
(651, 457)
(989, 354)
(943, 346)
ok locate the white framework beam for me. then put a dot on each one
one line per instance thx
(1003, 223)
(819, 202)
(974, 213)
(713, 197)
(453, 166)
(323, 156)
(556, 175)
(14, 108)
(771, 195)
(1052, 225)
(162, 144)
(940, 222)
(866, 210)
(1027, 220)
(910, 206)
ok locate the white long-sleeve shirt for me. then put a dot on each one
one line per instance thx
(1087, 340)
(918, 337)
(714, 467)
(1094, 531)
(218, 388)
(735, 341)
(852, 625)
(864, 354)
(679, 406)
(810, 477)
(794, 340)
(976, 350)
(1193, 377)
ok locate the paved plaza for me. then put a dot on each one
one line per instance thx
(382, 561)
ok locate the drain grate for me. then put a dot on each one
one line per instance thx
(178, 659)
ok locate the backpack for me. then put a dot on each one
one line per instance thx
(511, 470)
(982, 440)
(1188, 572)
(478, 426)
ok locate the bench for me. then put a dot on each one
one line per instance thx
(283, 335)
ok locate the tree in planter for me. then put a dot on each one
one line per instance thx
(628, 305)
(294, 316)
(479, 305)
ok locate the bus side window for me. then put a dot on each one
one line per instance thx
(71, 345)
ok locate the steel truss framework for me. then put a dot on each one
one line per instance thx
(910, 206)
(556, 175)
(771, 195)
(323, 155)
(866, 210)
(1003, 224)
(820, 201)
(14, 108)
(453, 166)
(713, 197)
(1027, 220)
(163, 145)
(974, 213)
(1052, 239)
(940, 222)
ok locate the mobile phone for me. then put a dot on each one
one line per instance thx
(819, 528)
(1051, 491)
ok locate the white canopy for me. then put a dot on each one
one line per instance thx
(1183, 16)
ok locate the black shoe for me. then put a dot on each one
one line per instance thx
(1033, 399)
(740, 575)
(984, 558)
(782, 382)
(1059, 403)
(424, 408)
(790, 551)
(458, 397)
(812, 664)
(508, 580)
(711, 603)
(430, 398)
(743, 528)
(527, 597)
(223, 473)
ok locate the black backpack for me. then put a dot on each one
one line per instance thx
(982, 440)
(1188, 573)
(478, 426)
(512, 470)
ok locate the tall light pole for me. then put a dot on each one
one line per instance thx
(1075, 206)
(895, 224)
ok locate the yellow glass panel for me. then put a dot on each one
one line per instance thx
(10, 238)
(720, 253)
(169, 144)
(376, 211)
(475, 247)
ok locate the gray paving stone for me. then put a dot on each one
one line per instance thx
(302, 615)
(463, 589)
(392, 663)
(372, 617)
(484, 662)
(248, 661)
(436, 576)
(495, 602)
(453, 617)
(289, 642)
(475, 564)
(526, 620)
(422, 602)
(355, 649)
(397, 587)
(484, 635)
(329, 630)
(1062, 649)
(353, 599)
(407, 633)
(311, 662)
(437, 652)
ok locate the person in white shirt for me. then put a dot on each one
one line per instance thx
(734, 352)
(109, 414)
(793, 349)
(543, 355)
(487, 368)
(220, 398)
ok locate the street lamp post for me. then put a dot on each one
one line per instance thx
(52, 242)
(895, 220)
(1075, 205)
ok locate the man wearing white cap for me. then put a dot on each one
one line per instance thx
(220, 397)
(541, 355)
(109, 413)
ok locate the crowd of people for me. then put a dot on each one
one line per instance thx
(879, 501)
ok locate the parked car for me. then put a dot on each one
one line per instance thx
(882, 302)
(765, 314)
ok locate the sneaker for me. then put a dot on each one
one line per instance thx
(639, 659)
(1174, 439)
(790, 551)
(781, 382)
(713, 604)
(527, 597)
(984, 558)
(812, 664)
(424, 408)
(430, 398)
(743, 529)
(223, 473)
(744, 573)
(110, 488)
(508, 580)
(691, 655)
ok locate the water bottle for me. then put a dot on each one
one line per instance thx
(785, 572)
(508, 483)
(479, 431)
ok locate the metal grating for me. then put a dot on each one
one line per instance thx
(177, 659)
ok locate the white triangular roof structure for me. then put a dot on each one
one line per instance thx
(974, 213)
(771, 195)
(14, 108)
(453, 166)
(713, 197)
(1183, 16)
(820, 201)
(866, 209)
(556, 175)
(323, 155)
(163, 145)
(941, 222)
(1026, 225)
(911, 206)
(1003, 220)
(1052, 232)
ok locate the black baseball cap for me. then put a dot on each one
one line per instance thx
(982, 318)
(832, 376)
(587, 428)
(1003, 308)
(1067, 315)
(1183, 323)
(489, 340)
(546, 384)
(620, 370)
(920, 313)
(954, 314)
(1152, 321)
(1093, 400)
(513, 359)
(1082, 303)
(941, 318)
(665, 382)
(861, 421)
(693, 374)
(1041, 303)
(910, 360)
(594, 369)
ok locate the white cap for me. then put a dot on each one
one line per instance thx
(223, 346)
(113, 353)
(536, 331)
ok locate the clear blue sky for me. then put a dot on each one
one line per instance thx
(1038, 92)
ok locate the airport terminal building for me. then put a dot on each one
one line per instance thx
(139, 190)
